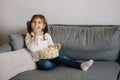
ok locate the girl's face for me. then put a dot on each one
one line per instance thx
(37, 24)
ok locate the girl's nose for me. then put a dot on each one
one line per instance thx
(36, 24)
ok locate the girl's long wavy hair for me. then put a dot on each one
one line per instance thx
(29, 28)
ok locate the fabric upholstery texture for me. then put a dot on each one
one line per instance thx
(100, 70)
(85, 37)
(17, 41)
(87, 42)
(12, 63)
(5, 48)
(83, 42)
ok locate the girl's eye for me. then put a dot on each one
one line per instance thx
(34, 22)
(39, 22)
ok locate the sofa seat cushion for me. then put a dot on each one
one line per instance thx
(99, 71)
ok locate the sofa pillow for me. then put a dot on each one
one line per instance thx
(17, 41)
(12, 63)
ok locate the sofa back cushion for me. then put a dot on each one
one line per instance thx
(87, 42)
(96, 42)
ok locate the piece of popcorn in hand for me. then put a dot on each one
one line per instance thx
(49, 53)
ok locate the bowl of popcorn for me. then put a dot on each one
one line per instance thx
(49, 53)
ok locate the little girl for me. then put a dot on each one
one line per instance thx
(37, 38)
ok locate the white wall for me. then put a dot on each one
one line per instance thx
(15, 13)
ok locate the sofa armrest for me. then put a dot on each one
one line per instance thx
(5, 48)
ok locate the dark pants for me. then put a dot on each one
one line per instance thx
(48, 64)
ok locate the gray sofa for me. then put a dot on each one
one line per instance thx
(82, 42)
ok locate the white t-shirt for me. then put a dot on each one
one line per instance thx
(35, 47)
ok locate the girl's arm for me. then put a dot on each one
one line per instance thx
(51, 43)
(31, 43)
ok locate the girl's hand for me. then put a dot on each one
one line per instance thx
(36, 33)
(58, 45)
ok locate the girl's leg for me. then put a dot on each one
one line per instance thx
(72, 63)
(67, 61)
(45, 64)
